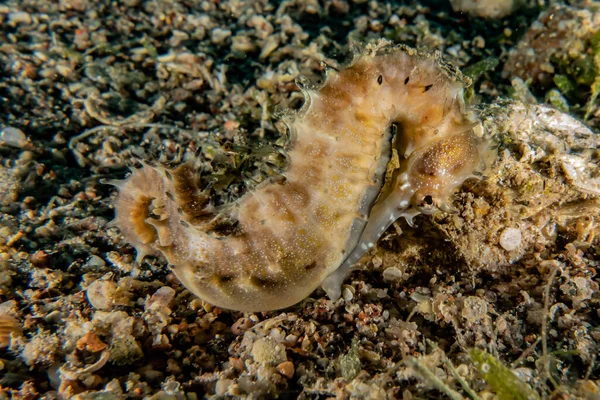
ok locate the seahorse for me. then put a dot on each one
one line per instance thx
(277, 243)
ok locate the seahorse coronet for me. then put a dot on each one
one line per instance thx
(277, 243)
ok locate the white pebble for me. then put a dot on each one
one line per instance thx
(19, 17)
(219, 35)
(13, 137)
(347, 294)
(95, 262)
(377, 262)
(160, 299)
(510, 239)
(100, 294)
(392, 274)
(222, 386)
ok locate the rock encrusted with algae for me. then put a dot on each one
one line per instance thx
(559, 42)
(559, 57)
(545, 185)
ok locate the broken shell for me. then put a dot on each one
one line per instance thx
(8, 326)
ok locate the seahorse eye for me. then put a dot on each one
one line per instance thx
(425, 201)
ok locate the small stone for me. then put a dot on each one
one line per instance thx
(118, 328)
(12, 137)
(100, 294)
(9, 188)
(479, 42)
(20, 17)
(286, 369)
(41, 349)
(347, 294)
(350, 364)
(40, 259)
(242, 44)
(64, 70)
(95, 262)
(377, 262)
(267, 352)
(510, 239)
(91, 343)
(222, 386)
(475, 309)
(160, 299)
(241, 325)
(219, 35)
(269, 46)
(290, 340)
(463, 370)
(392, 274)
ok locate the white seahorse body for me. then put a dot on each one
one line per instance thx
(276, 244)
(421, 185)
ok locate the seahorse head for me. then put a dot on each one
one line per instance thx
(435, 172)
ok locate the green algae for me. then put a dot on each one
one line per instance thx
(557, 100)
(350, 364)
(501, 379)
(476, 70)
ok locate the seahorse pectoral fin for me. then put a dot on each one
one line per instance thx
(409, 215)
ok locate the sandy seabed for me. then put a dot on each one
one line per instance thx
(498, 300)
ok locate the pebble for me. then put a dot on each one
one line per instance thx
(100, 294)
(13, 137)
(392, 274)
(219, 35)
(510, 239)
(241, 325)
(267, 352)
(286, 369)
(91, 343)
(475, 309)
(20, 17)
(347, 294)
(95, 262)
(222, 386)
(160, 299)
(377, 262)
